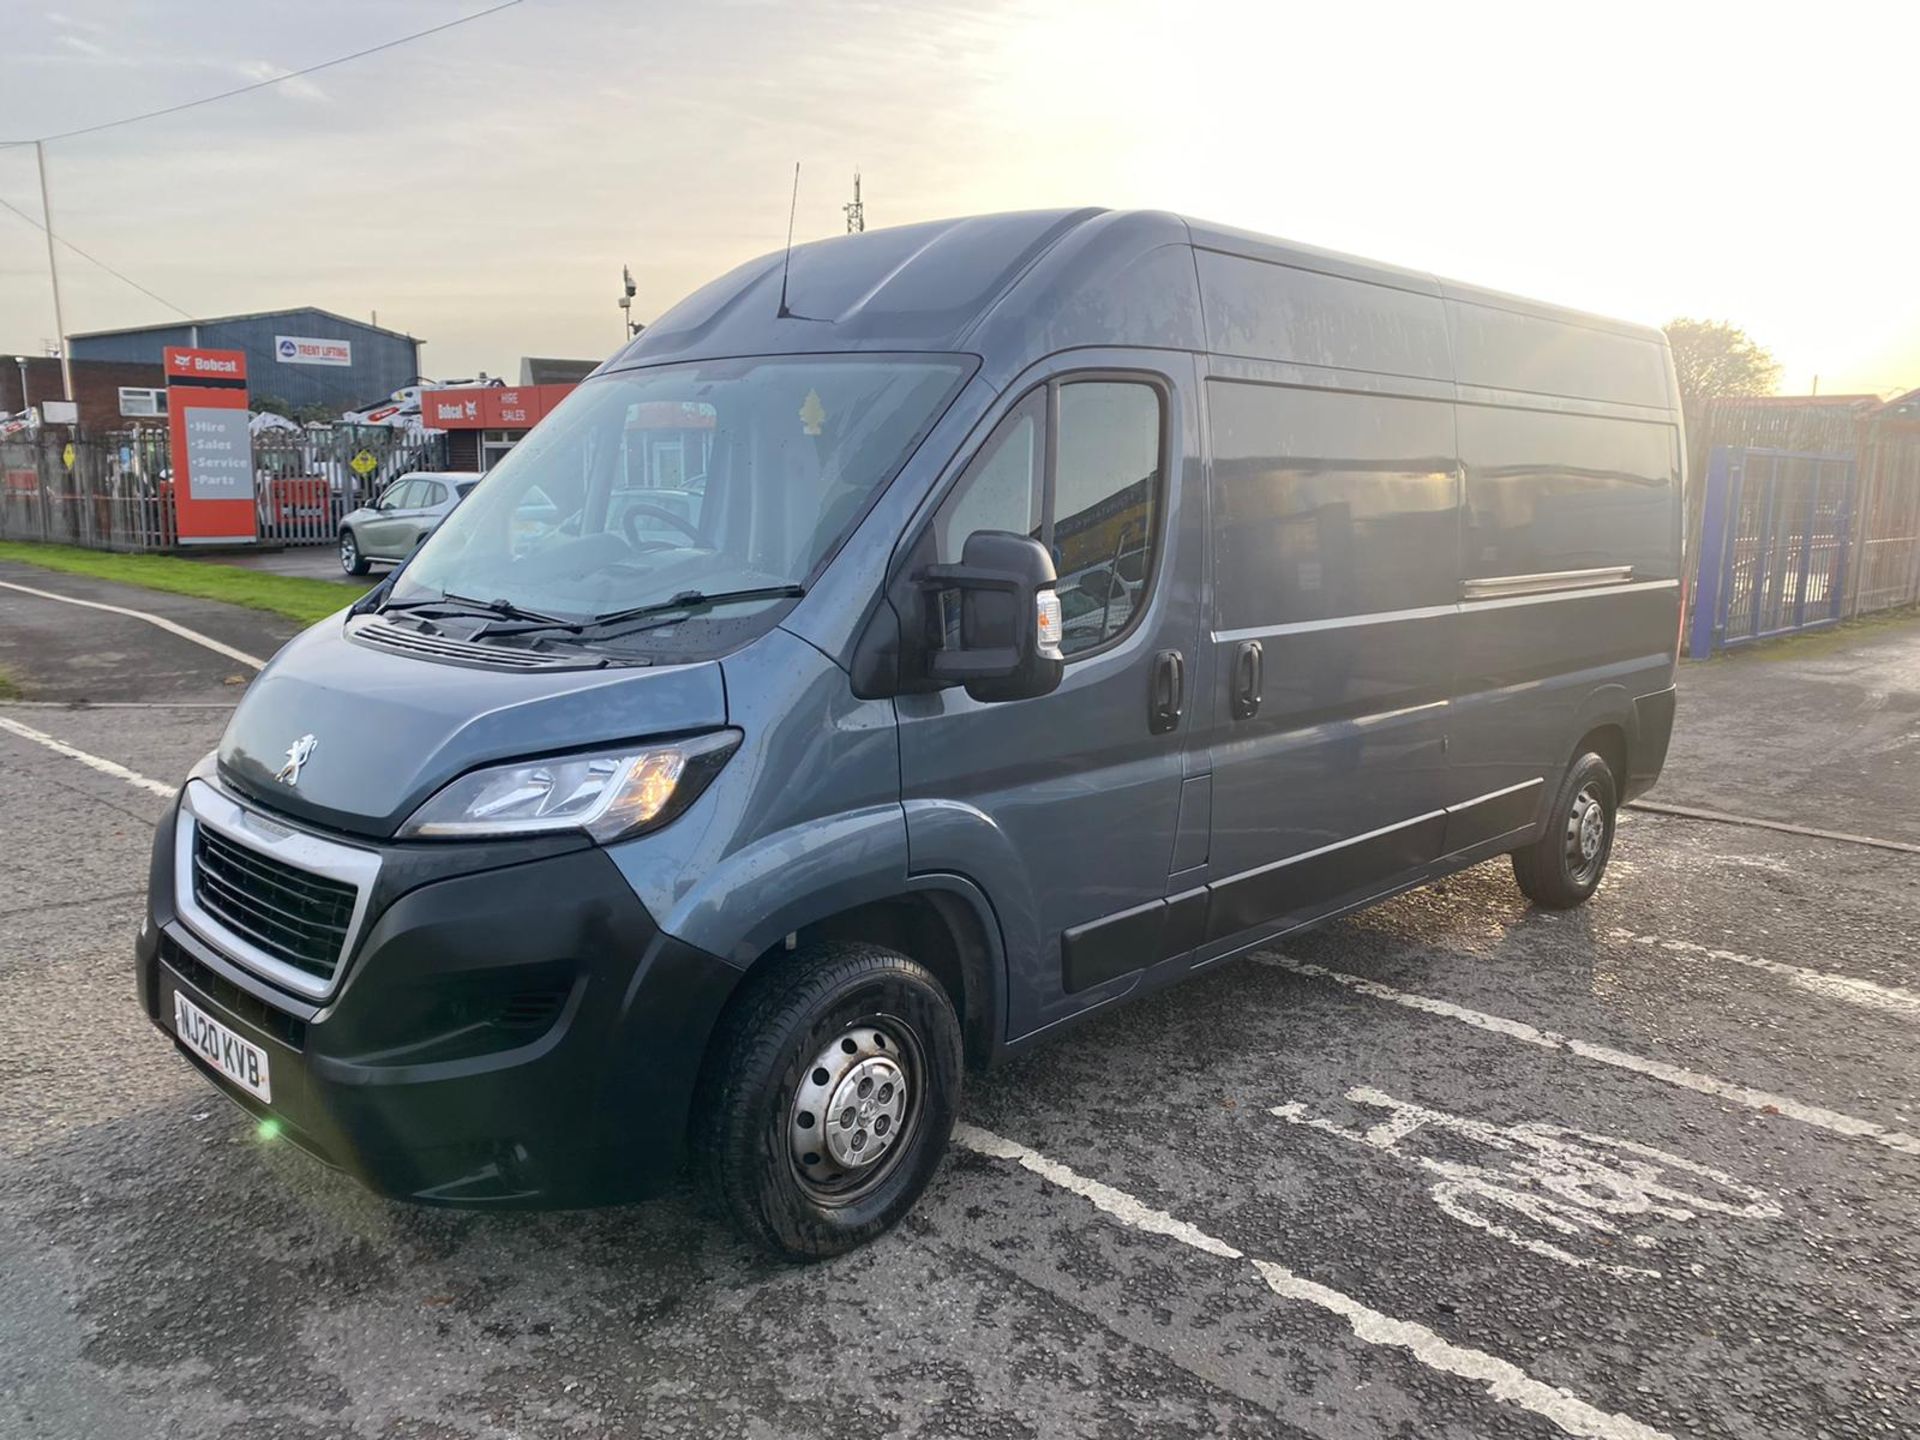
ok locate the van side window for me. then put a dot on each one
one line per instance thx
(1001, 487)
(1104, 513)
(1549, 492)
(1329, 504)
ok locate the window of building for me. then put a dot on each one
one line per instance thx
(139, 402)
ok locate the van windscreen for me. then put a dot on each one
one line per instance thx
(709, 478)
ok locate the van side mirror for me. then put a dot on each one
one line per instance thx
(993, 619)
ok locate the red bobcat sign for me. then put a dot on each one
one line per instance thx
(212, 446)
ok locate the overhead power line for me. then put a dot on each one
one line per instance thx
(272, 80)
(96, 260)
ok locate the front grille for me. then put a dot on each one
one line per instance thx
(292, 914)
(289, 1030)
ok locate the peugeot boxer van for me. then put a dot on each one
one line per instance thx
(905, 649)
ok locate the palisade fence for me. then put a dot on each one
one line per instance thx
(1804, 511)
(113, 490)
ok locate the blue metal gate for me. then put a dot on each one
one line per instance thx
(1775, 529)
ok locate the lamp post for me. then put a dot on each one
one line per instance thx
(53, 270)
(628, 325)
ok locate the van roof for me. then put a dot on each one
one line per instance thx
(1012, 287)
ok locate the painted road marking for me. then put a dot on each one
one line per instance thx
(1567, 1182)
(105, 767)
(85, 705)
(1754, 822)
(172, 627)
(1891, 999)
(1761, 1100)
(1503, 1380)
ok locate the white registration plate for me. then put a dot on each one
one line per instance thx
(243, 1063)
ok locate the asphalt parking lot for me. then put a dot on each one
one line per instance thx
(1452, 1167)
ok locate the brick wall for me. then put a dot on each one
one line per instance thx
(96, 385)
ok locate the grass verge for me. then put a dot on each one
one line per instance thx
(293, 596)
(9, 687)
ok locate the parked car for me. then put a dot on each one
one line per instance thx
(388, 531)
(742, 819)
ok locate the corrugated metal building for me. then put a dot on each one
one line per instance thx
(303, 356)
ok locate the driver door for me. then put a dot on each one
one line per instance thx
(1064, 808)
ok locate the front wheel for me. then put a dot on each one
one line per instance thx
(351, 560)
(828, 1098)
(1563, 867)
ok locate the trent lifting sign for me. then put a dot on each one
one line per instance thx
(306, 350)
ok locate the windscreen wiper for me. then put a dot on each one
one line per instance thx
(699, 600)
(507, 610)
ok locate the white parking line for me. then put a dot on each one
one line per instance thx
(1894, 1001)
(1761, 1100)
(172, 627)
(1503, 1380)
(105, 767)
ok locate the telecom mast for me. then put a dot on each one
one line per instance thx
(856, 212)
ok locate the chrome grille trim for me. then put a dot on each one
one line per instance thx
(202, 805)
(398, 640)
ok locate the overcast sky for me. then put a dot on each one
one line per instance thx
(482, 188)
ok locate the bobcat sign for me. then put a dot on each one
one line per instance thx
(212, 447)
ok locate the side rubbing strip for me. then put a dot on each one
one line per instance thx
(1114, 945)
(1500, 813)
(1302, 884)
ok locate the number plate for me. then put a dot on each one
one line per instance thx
(243, 1063)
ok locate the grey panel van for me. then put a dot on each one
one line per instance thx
(899, 652)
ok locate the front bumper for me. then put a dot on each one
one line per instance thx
(511, 1027)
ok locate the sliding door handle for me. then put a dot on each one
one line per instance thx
(1166, 696)
(1248, 676)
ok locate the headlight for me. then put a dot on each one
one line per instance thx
(608, 793)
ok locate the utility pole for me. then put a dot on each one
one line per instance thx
(856, 212)
(53, 269)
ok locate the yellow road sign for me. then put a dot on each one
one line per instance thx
(66, 454)
(365, 463)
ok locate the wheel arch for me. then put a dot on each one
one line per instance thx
(1608, 725)
(942, 921)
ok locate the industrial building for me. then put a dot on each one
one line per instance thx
(303, 356)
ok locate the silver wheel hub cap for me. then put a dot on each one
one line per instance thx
(1586, 828)
(852, 1106)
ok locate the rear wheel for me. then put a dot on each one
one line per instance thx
(351, 560)
(828, 1098)
(1563, 867)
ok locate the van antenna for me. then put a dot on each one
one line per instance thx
(786, 262)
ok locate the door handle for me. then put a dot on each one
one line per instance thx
(1166, 696)
(1248, 672)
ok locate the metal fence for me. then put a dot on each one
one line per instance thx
(114, 490)
(1766, 472)
(1776, 527)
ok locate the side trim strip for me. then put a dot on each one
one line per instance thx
(1500, 587)
(1434, 612)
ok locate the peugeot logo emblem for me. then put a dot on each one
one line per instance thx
(298, 754)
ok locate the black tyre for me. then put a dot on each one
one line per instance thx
(1563, 867)
(351, 560)
(828, 1098)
